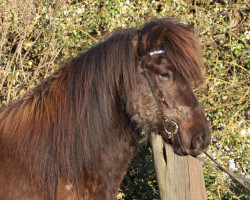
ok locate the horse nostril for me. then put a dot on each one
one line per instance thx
(197, 142)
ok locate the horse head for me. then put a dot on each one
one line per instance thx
(171, 58)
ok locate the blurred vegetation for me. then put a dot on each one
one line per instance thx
(36, 35)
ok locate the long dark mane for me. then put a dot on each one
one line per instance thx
(51, 127)
(62, 125)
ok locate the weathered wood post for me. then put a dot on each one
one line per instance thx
(181, 177)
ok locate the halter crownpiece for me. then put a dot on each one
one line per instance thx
(165, 119)
(151, 54)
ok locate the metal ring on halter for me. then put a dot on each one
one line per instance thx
(175, 131)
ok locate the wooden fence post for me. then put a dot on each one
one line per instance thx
(181, 177)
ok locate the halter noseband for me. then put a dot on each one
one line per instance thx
(165, 119)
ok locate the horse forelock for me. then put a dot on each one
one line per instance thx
(182, 49)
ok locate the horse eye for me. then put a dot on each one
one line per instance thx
(165, 75)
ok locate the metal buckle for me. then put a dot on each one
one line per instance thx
(168, 132)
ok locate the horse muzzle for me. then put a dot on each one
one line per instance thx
(194, 147)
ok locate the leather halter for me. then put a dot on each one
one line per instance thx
(169, 133)
(165, 119)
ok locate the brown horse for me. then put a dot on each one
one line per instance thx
(73, 136)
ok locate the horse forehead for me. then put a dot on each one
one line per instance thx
(159, 62)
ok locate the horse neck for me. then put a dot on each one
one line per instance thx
(62, 133)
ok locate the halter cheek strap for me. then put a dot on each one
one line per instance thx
(165, 119)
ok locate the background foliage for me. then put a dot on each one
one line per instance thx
(36, 35)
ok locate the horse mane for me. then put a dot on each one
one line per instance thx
(182, 49)
(51, 127)
(62, 125)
